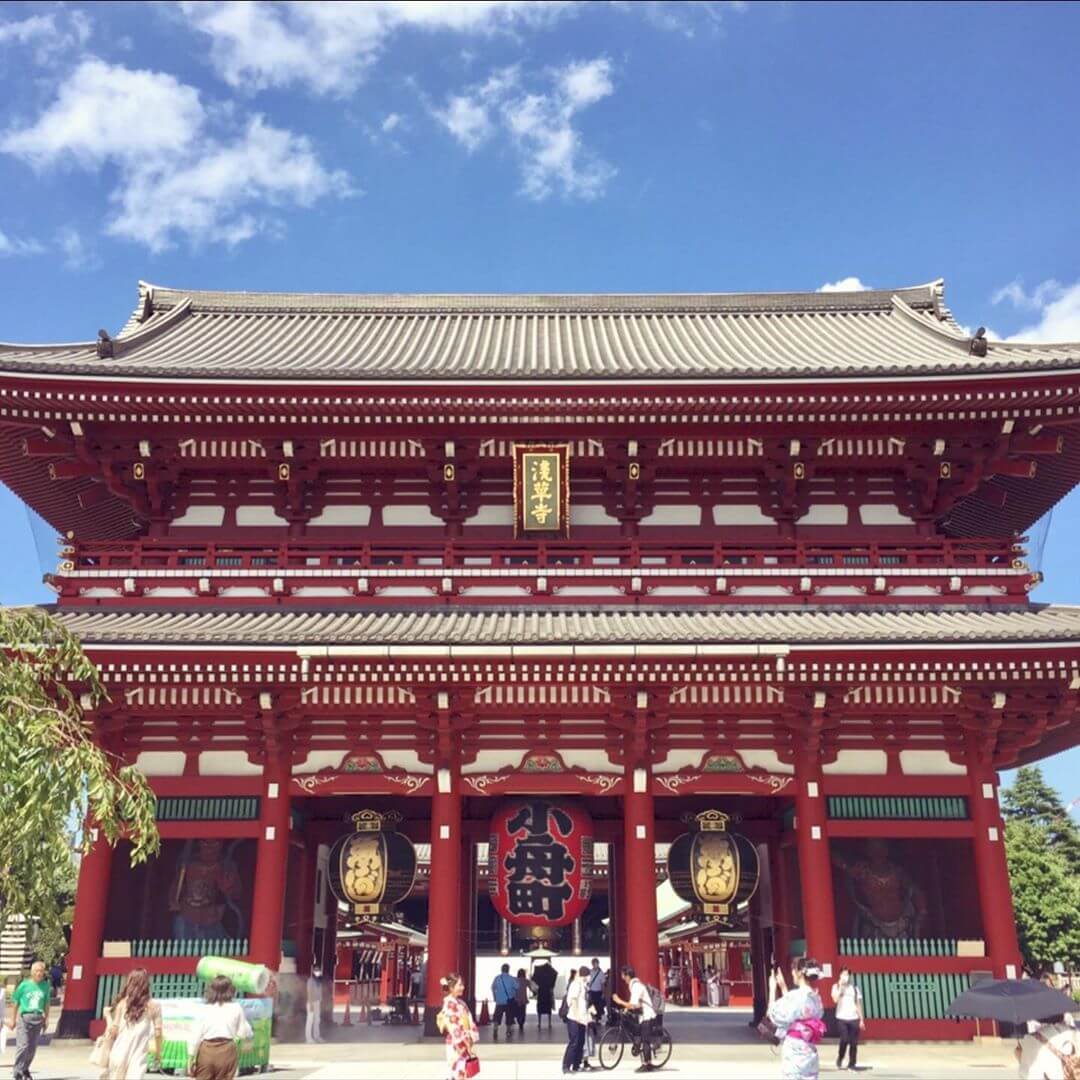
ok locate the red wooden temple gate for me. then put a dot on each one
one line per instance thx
(788, 583)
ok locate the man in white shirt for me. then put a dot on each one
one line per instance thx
(640, 1003)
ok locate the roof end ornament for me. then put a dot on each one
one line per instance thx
(979, 345)
(105, 348)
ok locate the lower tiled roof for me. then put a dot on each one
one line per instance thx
(464, 629)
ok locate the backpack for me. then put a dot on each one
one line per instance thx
(1070, 1062)
(656, 999)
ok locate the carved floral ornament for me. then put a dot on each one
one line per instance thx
(361, 763)
(728, 764)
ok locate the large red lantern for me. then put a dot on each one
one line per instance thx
(540, 860)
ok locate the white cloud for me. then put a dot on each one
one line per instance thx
(329, 48)
(209, 195)
(47, 33)
(178, 174)
(109, 112)
(12, 246)
(1042, 295)
(848, 284)
(467, 118)
(586, 82)
(1057, 306)
(539, 124)
(77, 254)
(390, 122)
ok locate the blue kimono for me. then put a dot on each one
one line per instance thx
(798, 1057)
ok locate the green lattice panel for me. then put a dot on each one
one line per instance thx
(898, 807)
(161, 986)
(196, 947)
(238, 808)
(910, 997)
(898, 946)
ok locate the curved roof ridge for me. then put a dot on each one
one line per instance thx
(156, 297)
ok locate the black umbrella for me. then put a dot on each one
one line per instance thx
(1012, 1001)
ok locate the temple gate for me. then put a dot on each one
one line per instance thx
(640, 557)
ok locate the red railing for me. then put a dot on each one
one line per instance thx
(535, 555)
(182, 573)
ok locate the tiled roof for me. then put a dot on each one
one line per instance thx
(464, 631)
(217, 335)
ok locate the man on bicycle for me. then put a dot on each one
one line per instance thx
(641, 1004)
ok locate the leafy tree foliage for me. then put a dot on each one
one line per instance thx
(1042, 844)
(53, 776)
(1033, 800)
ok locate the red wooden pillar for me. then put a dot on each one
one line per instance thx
(305, 922)
(616, 910)
(815, 867)
(87, 932)
(385, 975)
(271, 863)
(695, 990)
(466, 963)
(992, 872)
(444, 894)
(781, 903)
(639, 840)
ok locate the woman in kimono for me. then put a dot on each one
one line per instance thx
(457, 1025)
(797, 1015)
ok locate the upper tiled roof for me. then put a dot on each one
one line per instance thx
(459, 630)
(218, 335)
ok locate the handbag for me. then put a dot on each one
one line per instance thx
(472, 1065)
(767, 1030)
(99, 1055)
(564, 1011)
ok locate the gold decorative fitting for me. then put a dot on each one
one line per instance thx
(448, 472)
(368, 821)
(634, 471)
(138, 470)
(67, 566)
(713, 821)
(799, 470)
(945, 470)
(283, 471)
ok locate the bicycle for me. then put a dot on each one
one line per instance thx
(624, 1029)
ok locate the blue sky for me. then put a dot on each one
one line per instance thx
(554, 147)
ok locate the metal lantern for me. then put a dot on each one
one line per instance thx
(713, 869)
(373, 868)
(540, 861)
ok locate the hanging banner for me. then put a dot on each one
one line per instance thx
(541, 488)
(540, 862)
(713, 869)
(373, 868)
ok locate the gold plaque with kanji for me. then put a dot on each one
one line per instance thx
(541, 493)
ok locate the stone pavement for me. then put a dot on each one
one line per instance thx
(708, 1046)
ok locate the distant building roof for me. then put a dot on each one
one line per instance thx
(643, 630)
(192, 334)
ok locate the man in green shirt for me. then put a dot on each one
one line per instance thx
(29, 1016)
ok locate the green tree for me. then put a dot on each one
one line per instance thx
(54, 776)
(1046, 896)
(1033, 800)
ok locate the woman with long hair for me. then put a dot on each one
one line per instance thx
(458, 1028)
(134, 1024)
(797, 1014)
(212, 1049)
